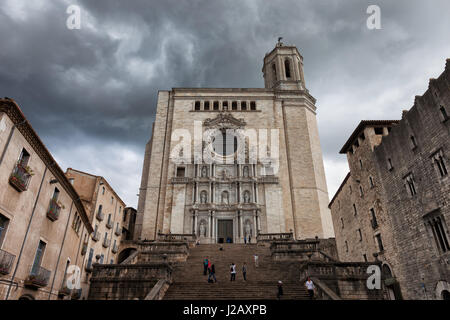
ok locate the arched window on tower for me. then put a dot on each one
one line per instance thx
(234, 105)
(197, 105)
(287, 67)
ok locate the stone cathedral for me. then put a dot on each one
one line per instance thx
(226, 163)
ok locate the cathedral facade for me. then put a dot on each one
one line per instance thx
(226, 163)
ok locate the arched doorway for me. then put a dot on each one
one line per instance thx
(124, 254)
(445, 295)
(391, 283)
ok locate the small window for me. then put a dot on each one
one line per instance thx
(439, 161)
(437, 226)
(103, 190)
(360, 164)
(4, 222)
(371, 182)
(379, 242)
(234, 105)
(373, 219)
(109, 218)
(287, 67)
(101, 258)
(342, 223)
(55, 194)
(274, 71)
(355, 212)
(181, 172)
(411, 185)
(253, 105)
(360, 234)
(197, 105)
(225, 105)
(112, 199)
(389, 164)
(350, 188)
(216, 105)
(365, 257)
(379, 131)
(444, 114)
(361, 192)
(346, 246)
(38, 257)
(24, 158)
(413, 142)
(206, 105)
(244, 105)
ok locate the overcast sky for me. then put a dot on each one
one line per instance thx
(91, 93)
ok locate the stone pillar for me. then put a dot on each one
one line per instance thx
(256, 192)
(255, 226)
(210, 224)
(241, 224)
(195, 221)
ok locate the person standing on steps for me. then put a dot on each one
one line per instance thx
(212, 273)
(233, 272)
(310, 286)
(244, 271)
(255, 256)
(249, 238)
(205, 266)
(209, 266)
(280, 290)
(245, 239)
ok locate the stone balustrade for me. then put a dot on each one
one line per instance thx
(269, 237)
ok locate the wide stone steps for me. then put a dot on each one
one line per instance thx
(189, 283)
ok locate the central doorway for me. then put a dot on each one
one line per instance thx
(225, 231)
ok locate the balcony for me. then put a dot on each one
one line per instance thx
(100, 216)
(53, 210)
(109, 224)
(38, 278)
(118, 231)
(20, 177)
(76, 294)
(6, 262)
(88, 268)
(84, 248)
(115, 248)
(96, 236)
(64, 291)
(106, 243)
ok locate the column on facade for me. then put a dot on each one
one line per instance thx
(241, 223)
(255, 223)
(213, 184)
(258, 220)
(210, 223)
(256, 192)
(195, 222)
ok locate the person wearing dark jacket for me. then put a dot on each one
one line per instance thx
(280, 290)
(212, 273)
(205, 266)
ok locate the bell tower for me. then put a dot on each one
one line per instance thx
(283, 68)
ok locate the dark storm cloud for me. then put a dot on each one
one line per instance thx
(97, 87)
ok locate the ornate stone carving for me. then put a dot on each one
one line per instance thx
(224, 120)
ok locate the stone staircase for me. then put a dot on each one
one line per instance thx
(189, 283)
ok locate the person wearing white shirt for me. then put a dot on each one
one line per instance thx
(310, 286)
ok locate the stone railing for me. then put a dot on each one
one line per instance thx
(118, 231)
(115, 248)
(96, 236)
(126, 281)
(53, 210)
(345, 279)
(163, 252)
(20, 177)
(158, 291)
(109, 224)
(177, 237)
(6, 261)
(181, 180)
(269, 237)
(303, 250)
(38, 277)
(268, 179)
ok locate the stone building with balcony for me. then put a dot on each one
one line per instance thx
(393, 206)
(42, 220)
(106, 211)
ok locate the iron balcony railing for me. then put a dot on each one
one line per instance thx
(96, 236)
(118, 231)
(109, 224)
(6, 261)
(106, 243)
(100, 216)
(53, 210)
(38, 277)
(20, 177)
(115, 248)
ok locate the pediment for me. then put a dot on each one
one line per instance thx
(224, 120)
